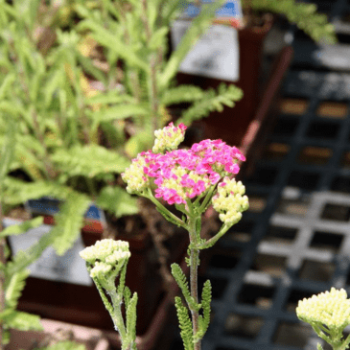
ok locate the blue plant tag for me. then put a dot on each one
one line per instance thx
(231, 10)
(50, 206)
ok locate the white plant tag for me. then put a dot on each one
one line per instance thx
(67, 268)
(215, 55)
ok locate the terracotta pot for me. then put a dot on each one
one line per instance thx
(92, 338)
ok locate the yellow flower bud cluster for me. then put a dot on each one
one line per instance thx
(106, 257)
(230, 201)
(168, 138)
(331, 309)
(134, 176)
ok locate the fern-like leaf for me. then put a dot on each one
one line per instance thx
(127, 295)
(181, 280)
(182, 93)
(117, 201)
(131, 320)
(23, 321)
(104, 298)
(89, 161)
(203, 321)
(18, 192)
(122, 277)
(304, 15)
(226, 95)
(185, 324)
(21, 227)
(69, 221)
(118, 112)
(24, 258)
(15, 287)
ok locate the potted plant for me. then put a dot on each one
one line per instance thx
(84, 103)
(18, 329)
(257, 19)
(190, 180)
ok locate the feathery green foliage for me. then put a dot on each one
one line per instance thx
(21, 228)
(131, 319)
(185, 324)
(69, 221)
(15, 287)
(212, 101)
(182, 93)
(204, 320)
(22, 321)
(181, 280)
(304, 15)
(117, 201)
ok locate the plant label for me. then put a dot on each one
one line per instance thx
(230, 13)
(94, 217)
(215, 55)
(69, 267)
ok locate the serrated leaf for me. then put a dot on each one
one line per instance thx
(15, 287)
(18, 192)
(23, 321)
(89, 161)
(69, 221)
(121, 111)
(21, 228)
(182, 93)
(117, 201)
(181, 280)
(131, 319)
(212, 101)
(185, 324)
(111, 97)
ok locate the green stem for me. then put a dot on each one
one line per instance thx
(194, 261)
(117, 317)
(162, 208)
(210, 242)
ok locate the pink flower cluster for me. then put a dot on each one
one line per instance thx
(182, 174)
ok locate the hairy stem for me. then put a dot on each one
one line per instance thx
(117, 317)
(194, 260)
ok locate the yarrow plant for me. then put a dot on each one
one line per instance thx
(328, 314)
(191, 180)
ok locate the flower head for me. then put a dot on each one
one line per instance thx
(181, 174)
(230, 201)
(331, 308)
(106, 257)
(168, 138)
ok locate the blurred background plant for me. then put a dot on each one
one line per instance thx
(87, 89)
(304, 15)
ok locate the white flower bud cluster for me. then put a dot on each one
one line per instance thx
(331, 309)
(135, 177)
(105, 256)
(230, 201)
(168, 138)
